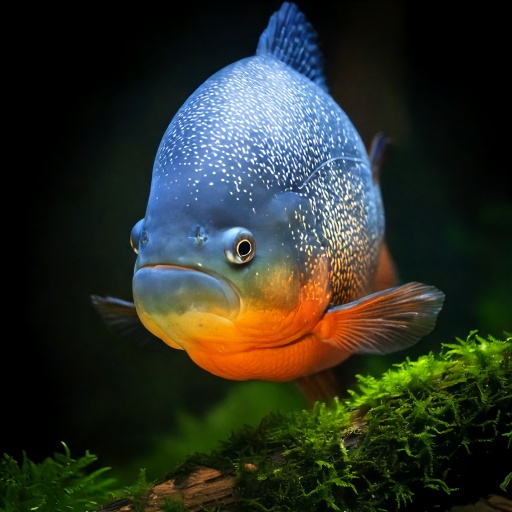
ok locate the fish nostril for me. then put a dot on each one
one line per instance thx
(144, 237)
(200, 236)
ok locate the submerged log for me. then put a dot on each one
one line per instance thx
(433, 434)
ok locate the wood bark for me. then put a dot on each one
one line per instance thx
(204, 489)
(447, 432)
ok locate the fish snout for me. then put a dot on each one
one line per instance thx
(168, 289)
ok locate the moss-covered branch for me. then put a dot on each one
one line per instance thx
(429, 435)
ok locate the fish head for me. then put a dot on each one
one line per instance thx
(228, 256)
(225, 274)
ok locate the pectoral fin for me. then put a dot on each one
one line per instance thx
(384, 322)
(121, 317)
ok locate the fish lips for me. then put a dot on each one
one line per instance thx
(160, 289)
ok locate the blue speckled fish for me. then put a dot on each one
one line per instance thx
(262, 251)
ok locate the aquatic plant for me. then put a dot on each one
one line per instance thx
(58, 483)
(430, 434)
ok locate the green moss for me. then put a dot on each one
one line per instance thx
(428, 435)
(138, 492)
(435, 431)
(58, 483)
(242, 405)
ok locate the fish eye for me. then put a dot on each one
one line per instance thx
(137, 236)
(239, 245)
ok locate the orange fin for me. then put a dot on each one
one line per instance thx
(386, 275)
(322, 386)
(384, 322)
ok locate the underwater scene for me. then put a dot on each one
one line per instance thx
(271, 241)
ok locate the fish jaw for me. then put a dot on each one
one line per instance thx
(207, 315)
(163, 294)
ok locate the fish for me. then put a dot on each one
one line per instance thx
(262, 252)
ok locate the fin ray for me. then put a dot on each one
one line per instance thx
(292, 39)
(121, 317)
(386, 321)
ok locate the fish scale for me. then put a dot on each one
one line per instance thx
(282, 138)
(215, 111)
(262, 252)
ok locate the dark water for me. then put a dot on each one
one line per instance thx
(104, 88)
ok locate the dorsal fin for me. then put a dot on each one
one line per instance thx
(292, 39)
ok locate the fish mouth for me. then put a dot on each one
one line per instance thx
(163, 289)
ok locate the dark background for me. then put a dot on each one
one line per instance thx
(93, 93)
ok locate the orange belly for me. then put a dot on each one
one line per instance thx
(278, 364)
